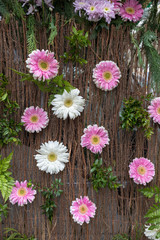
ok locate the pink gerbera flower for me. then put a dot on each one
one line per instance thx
(154, 110)
(42, 64)
(21, 194)
(131, 10)
(95, 138)
(34, 119)
(106, 75)
(141, 170)
(82, 210)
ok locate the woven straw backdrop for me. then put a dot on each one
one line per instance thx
(117, 211)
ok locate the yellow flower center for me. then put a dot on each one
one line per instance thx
(52, 157)
(22, 192)
(34, 119)
(141, 170)
(43, 65)
(68, 103)
(83, 209)
(106, 9)
(107, 76)
(92, 8)
(130, 10)
(95, 139)
(158, 110)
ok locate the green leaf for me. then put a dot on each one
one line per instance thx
(138, 50)
(53, 32)
(3, 211)
(158, 235)
(77, 41)
(150, 192)
(134, 116)
(49, 195)
(13, 234)
(102, 177)
(6, 182)
(4, 97)
(31, 38)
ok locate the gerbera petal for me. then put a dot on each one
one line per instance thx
(131, 10)
(154, 110)
(21, 194)
(106, 75)
(34, 119)
(95, 138)
(68, 104)
(42, 65)
(141, 170)
(52, 157)
(82, 210)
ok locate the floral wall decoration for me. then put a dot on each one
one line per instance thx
(95, 138)
(80, 114)
(82, 210)
(69, 104)
(34, 119)
(52, 157)
(141, 170)
(21, 194)
(106, 75)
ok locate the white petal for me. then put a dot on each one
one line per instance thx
(42, 158)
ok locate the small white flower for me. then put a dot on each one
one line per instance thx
(52, 157)
(151, 234)
(68, 104)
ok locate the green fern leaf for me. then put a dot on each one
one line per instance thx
(5, 163)
(31, 38)
(150, 192)
(6, 182)
(147, 192)
(153, 216)
(17, 9)
(154, 220)
(153, 211)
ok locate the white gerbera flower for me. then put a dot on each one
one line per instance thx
(52, 157)
(151, 234)
(68, 104)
